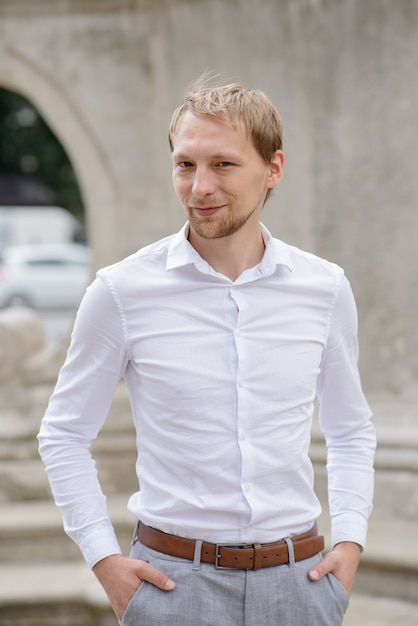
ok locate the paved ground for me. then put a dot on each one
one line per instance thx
(369, 611)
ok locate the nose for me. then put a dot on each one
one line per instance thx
(203, 182)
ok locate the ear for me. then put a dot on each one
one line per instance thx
(276, 167)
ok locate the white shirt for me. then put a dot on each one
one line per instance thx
(222, 378)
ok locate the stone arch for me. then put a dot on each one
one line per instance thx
(20, 73)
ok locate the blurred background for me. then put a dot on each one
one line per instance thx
(87, 88)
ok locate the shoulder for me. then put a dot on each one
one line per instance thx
(315, 263)
(153, 256)
(304, 263)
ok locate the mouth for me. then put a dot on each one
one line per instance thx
(207, 211)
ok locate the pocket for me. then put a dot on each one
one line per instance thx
(136, 553)
(132, 601)
(339, 591)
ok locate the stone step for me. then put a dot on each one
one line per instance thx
(367, 610)
(35, 528)
(396, 462)
(396, 476)
(68, 594)
(23, 477)
(22, 474)
(389, 566)
(52, 594)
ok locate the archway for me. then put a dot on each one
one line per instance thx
(35, 170)
(59, 109)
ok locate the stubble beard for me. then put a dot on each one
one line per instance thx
(215, 227)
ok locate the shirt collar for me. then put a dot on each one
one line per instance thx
(276, 253)
(181, 253)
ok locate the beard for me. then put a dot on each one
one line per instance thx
(217, 227)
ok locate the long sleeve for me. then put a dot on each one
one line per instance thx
(201, 357)
(345, 419)
(77, 409)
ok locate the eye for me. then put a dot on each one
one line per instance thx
(224, 164)
(184, 164)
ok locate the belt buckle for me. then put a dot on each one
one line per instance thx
(227, 545)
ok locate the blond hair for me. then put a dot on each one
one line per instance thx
(233, 103)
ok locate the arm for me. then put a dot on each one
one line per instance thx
(77, 409)
(345, 419)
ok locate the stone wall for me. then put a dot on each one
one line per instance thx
(106, 75)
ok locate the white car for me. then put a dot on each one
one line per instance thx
(44, 276)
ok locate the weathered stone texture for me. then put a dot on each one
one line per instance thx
(107, 75)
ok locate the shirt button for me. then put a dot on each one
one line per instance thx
(240, 383)
(237, 332)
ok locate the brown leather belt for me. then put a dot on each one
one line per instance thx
(236, 555)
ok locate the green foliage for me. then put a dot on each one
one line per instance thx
(28, 147)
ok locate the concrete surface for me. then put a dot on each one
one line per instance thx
(391, 560)
(340, 73)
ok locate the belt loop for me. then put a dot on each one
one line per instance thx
(135, 535)
(291, 551)
(197, 552)
(257, 556)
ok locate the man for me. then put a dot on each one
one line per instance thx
(224, 336)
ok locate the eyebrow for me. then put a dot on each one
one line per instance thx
(224, 156)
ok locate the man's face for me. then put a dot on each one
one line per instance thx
(219, 177)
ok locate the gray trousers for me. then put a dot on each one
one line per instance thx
(204, 596)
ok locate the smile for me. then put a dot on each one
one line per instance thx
(206, 211)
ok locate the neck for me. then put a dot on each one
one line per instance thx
(232, 255)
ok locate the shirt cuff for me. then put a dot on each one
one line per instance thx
(349, 527)
(98, 545)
